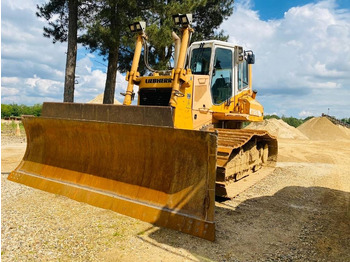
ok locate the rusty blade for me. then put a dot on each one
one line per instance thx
(160, 175)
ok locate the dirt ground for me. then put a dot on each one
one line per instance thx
(300, 212)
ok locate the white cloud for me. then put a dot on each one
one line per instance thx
(92, 82)
(33, 68)
(304, 114)
(9, 91)
(297, 56)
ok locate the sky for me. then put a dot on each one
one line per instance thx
(302, 53)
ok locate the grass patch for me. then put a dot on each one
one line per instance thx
(117, 234)
(9, 128)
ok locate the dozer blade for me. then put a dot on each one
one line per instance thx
(160, 175)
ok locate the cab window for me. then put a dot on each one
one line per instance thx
(200, 61)
(242, 75)
(221, 82)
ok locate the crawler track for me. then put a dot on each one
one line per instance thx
(240, 153)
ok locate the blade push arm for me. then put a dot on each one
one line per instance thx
(133, 73)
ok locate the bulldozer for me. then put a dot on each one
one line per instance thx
(165, 159)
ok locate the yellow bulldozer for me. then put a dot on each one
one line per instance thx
(163, 160)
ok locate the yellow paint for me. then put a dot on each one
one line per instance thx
(183, 111)
(132, 75)
(180, 73)
(248, 109)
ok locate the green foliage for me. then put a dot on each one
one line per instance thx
(117, 234)
(102, 34)
(292, 121)
(346, 120)
(19, 110)
(307, 118)
(10, 128)
(56, 12)
(209, 17)
(271, 116)
(58, 28)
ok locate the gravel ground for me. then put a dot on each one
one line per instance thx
(10, 140)
(301, 212)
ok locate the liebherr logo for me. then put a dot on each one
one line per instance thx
(158, 81)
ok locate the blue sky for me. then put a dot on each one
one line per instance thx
(274, 9)
(302, 56)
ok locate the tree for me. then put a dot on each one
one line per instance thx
(71, 61)
(292, 121)
(307, 118)
(207, 17)
(271, 116)
(109, 34)
(5, 110)
(57, 28)
(18, 110)
(346, 120)
(104, 34)
(65, 28)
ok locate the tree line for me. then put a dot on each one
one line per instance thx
(102, 26)
(292, 121)
(346, 120)
(19, 110)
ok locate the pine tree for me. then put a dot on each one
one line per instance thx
(70, 13)
(106, 28)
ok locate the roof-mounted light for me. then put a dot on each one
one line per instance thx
(137, 27)
(239, 54)
(182, 19)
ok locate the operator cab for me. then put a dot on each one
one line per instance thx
(226, 66)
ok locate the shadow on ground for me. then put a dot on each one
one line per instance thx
(295, 224)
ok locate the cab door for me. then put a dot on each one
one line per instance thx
(222, 75)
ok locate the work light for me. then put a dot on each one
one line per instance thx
(182, 19)
(137, 27)
(176, 19)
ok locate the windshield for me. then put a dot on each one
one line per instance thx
(200, 61)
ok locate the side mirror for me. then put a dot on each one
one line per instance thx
(250, 58)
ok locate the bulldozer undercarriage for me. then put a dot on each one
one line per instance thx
(240, 153)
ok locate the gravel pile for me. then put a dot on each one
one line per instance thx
(278, 128)
(99, 100)
(321, 128)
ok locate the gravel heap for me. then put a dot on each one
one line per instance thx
(279, 128)
(321, 128)
(99, 100)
